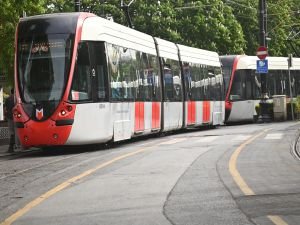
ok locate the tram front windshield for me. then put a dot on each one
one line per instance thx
(43, 67)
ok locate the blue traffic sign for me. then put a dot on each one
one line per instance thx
(262, 66)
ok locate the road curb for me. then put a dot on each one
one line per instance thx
(296, 148)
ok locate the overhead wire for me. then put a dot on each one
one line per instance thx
(239, 4)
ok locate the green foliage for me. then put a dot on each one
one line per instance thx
(282, 18)
(10, 12)
(297, 104)
(210, 26)
(225, 26)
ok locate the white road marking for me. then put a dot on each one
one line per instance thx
(274, 136)
(241, 137)
(206, 139)
(173, 141)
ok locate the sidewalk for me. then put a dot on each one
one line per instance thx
(4, 140)
(4, 148)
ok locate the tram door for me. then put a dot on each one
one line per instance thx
(90, 93)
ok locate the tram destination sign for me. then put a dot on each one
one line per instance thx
(262, 52)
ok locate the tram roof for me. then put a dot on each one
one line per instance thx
(195, 55)
(274, 63)
(167, 49)
(99, 29)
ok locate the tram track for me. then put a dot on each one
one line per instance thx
(37, 166)
(295, 147)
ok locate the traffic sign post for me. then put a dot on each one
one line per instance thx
(262, 69)
(262, 52)
(262, 66)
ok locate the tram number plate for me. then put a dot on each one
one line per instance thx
(101, 106)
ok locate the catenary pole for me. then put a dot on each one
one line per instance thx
(77, 5)
(264, 106)
(262, 41)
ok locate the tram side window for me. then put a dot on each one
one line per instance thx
(256, 84)
(144, 78)
(114, 72)
(127, 73)
(274, 83)
(242, 86)
(285, 82)
(212, 83)
(227, 70)
(195, 82)
(177, 80)
(100, 62)
(134, 73)
(219, 88)
(248, 83)
(187, 74)
(205, 83)
(237, 88)
(168, 82)
(295, 77)
(81, 85)
(293, 83)
(154, 77)
(172, 80)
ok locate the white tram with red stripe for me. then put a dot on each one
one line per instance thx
(81, 79)
(243, 83)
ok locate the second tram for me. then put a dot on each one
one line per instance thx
(243, 86)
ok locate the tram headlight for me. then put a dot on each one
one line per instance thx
(17, 114)
(64, 112)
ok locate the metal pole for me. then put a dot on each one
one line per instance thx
(262, 40)
(125, 9)
(265, 22)
(262, 22)
(264, 105)
(290, 84)
(77, 5)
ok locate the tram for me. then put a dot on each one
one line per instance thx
(81, 79)
(243, 86)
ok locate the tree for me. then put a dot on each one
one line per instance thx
(157, 19)
(293, 41)
(279, 22)
(10, 13)
(246, 13)
(210, 26)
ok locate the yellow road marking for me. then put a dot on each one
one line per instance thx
(62, 186)
(233, 170)
(241, 182)
(277, 220)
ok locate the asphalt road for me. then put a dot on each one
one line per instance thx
(239, 175)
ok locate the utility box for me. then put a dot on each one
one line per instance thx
(279, 107)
